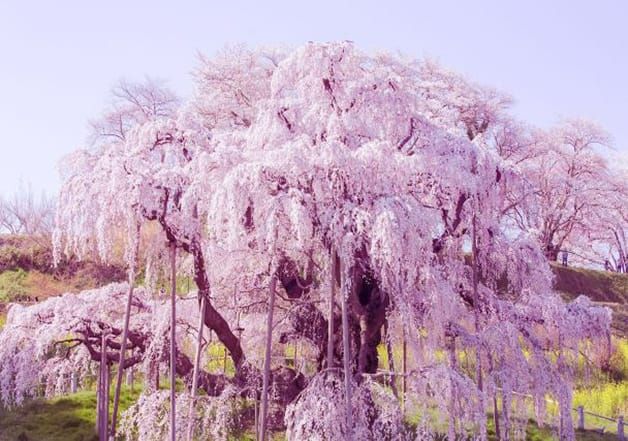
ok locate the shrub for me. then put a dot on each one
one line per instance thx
(12, 287)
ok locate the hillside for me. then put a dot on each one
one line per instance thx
(606, 288)
(27, 273)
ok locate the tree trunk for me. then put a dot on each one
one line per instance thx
(551, 252)
(363, 344)
(368, 306)
(266, 381)
(213, 319)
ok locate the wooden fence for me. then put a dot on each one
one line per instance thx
(619, 421)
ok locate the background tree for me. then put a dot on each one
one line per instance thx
(609, 233)
(23, 213)
(570, 183)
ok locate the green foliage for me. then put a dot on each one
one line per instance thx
(610, 399)
(9, 258)
(619, 359)
(185, 284)
(12, 286)
(219, 360)
(617, 370)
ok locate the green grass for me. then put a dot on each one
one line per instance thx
(536, 433)
(68, 418)
(73, 418)
(610, 399)
(533, 433)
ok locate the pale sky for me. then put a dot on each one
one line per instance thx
(59, 59)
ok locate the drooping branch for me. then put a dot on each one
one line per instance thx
(213, 319)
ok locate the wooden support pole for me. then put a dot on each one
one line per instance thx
(125, 332)
(197, 362)
(99, 400)
(106, 398)
(103, 405)
(266, 380)
(255, 403)
(173, 320)
(330, 319)
(125, 336)
(73, 382)
(404, 368)
(620, 429)
(391, 361)
(129, 378)
(496, 417)
(346, 349)
(580, 417)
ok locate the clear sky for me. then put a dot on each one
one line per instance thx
(59, 59)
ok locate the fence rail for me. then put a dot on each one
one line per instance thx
(619, 420)
(581, 413)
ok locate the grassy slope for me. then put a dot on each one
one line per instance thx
(73, 418)
(601, 286)
(607, 288)
(68, 418)
(27, 270)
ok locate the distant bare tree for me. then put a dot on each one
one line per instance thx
(609, 234)
(26, 214)
(133, 103)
